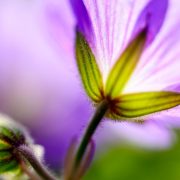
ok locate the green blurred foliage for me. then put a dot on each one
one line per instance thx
(128, 162)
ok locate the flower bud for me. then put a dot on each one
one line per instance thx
(12, 136)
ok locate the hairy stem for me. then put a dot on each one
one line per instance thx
(96, 119)
(27, 171)
(42, 171)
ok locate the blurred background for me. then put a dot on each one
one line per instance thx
(40, 88)
(128, 162)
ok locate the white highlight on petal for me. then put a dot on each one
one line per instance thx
(148, 135)
(159, 65)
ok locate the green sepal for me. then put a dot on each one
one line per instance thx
(88, 68)
(4, 145)
(8, 166)
(5, 155)
(140, 104)
(8, 132)
(10, 139)
(123, 68)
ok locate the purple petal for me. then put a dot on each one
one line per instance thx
(83, 21)
(169, 118)
(151, 134)
(152, 18)
(159, 64)
(59, 23)
(108, 25)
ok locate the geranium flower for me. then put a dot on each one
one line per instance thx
(117, 50)
(111, 50)
(59, 18)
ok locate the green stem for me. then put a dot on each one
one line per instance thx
(42, 171)
(96, 119)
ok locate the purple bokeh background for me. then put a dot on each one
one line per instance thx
(39, 84)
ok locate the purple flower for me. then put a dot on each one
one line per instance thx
(108, 27)
(144, 32)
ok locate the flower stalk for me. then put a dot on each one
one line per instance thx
(28, 172)
(38, 167)
(101, 110)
